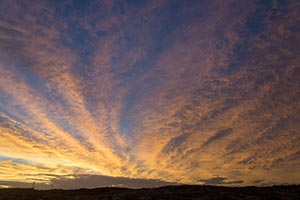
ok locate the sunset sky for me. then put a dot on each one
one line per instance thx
(138, 93)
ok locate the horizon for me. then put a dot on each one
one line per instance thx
(166, 192)
(148, 93)
(154, 187)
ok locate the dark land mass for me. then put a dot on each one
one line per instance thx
(168, 192)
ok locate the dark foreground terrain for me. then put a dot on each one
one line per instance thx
(169, 192)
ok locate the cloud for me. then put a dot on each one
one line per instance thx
(213, 181)
(257, 181)
(219, 135)
(88, 181)
(92, 181)
(219, 181)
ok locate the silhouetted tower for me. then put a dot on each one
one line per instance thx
(33, 185)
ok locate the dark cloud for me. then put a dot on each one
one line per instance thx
(219, 181)
(88, 181)
(213, 181)
(93, 181)
(258, 181)
(235, 182)
(174, 143)
(219, 135)
(19, 184)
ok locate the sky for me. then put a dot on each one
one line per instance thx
(137, 93)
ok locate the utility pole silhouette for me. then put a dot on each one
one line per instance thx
(33, 185)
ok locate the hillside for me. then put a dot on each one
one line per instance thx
(291, 192)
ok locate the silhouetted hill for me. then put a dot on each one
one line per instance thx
(290, 192)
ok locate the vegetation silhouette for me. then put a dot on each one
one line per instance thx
(277, 192)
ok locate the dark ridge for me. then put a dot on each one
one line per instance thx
(276, 192)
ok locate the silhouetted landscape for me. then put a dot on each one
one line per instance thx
(149, 99)
(168, 192)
